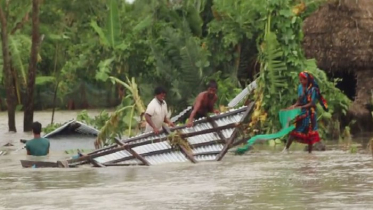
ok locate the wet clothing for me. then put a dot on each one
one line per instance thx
(306, 123)
(158, 111)
(38, 146)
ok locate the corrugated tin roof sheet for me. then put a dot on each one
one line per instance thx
(245, 92)
(208, 140)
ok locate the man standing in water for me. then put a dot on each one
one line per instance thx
(38, 146)
(156, 112)
(204, 103)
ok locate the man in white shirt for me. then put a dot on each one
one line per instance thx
(156, 112)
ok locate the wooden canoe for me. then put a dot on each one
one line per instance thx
(38, 164)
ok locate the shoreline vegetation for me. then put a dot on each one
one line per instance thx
(113, 53)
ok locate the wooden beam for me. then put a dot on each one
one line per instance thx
(120, 160)
(209, 130)
(140, 137)
(217, 129)
(87, 158)
(147, 142)
(142, 156)
(139, 157)
(231, 139)
(208, 143)
(241, 141)
(207, 153)
(188, 154)
(102, 149)
(133, 153)
(97, 164)
(184, 150)
(123, 164)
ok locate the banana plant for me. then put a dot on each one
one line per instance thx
(271, 77)
(272, 60)
(19, 45)
(121, 121)
(109, 36)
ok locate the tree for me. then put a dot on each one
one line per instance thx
(9, 80)
(29, 102)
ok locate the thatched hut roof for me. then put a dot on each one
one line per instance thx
(340, 35)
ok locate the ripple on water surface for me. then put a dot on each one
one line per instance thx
(263, 180)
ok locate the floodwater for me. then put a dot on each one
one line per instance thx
(264, 180)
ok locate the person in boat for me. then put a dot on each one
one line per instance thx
(37, 146)
(306, 123)
(204, 103)
(156, 112)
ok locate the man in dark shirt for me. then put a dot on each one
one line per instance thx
(204, 103)
(38, 146)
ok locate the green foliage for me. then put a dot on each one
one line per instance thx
(273, 66)
(176, 44)
(19, 45)
(97, 121)
(122, 122)
(42, 80)
(282, 59)
(51, 127)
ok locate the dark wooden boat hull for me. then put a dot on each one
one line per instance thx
(38, 164)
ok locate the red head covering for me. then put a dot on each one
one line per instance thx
(313, 84)
(303, 74)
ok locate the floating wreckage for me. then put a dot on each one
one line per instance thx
(73, 127)
(71, 135)
(208, 140)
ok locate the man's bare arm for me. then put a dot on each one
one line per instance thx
(196, 107)
(149, 120)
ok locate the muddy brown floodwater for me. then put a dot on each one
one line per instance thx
(261, 180)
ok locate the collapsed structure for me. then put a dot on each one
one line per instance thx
(208, 140)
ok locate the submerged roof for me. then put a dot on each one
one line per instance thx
(73, 126)
(209, 139)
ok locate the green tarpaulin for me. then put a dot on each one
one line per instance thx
(285, 117)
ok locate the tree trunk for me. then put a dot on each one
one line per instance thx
(10, 89)
(54, 101)
(29, 102)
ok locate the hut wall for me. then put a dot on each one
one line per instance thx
(364, 87)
